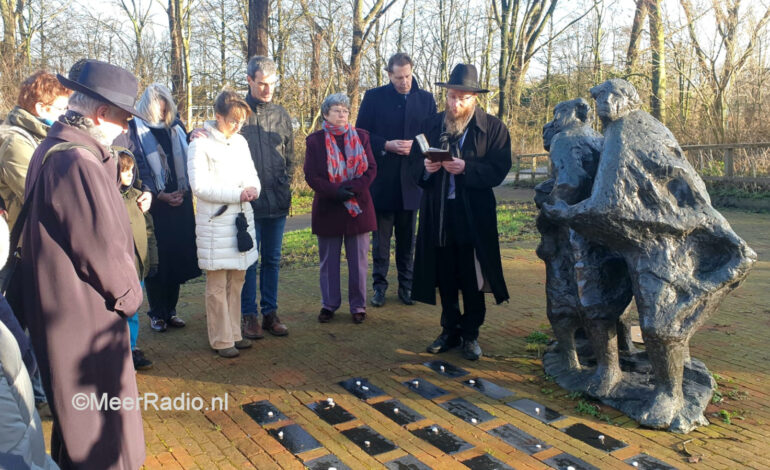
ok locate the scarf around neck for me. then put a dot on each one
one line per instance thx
(158, 161)
(345, 166)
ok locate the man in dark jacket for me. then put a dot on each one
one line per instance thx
(78, 276)
(457, 242)
(271, 141)
(393, 114)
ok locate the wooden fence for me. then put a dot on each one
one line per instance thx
(749, 162)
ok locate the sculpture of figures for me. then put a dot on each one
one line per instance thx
(648, 204)
(586, 284)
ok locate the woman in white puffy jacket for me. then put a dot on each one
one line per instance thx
(224, 180)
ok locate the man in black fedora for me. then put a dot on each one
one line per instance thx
(78, 274)
(457, 241)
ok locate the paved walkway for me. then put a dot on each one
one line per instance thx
(388, 349)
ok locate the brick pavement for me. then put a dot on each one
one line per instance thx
(388, 349)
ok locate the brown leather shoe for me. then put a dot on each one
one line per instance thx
(273, 325)
(359, 317)
(250, 327)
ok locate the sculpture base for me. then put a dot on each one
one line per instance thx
(636, 387)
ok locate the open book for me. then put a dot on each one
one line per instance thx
(432, 153)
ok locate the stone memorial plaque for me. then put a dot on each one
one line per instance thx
(326, 462)
(361, 388)
(295, 439)
(594, 438)
(647, 462)
(424, 388)
(443, 439)
(486, 462)
(466, 411)
(536, 410)
(398, 412)
(565, 461)
(331, 412)
(407, 462)
(369, 440)
(488, 388)
(263, 412)
(446, 369)
(519, 439)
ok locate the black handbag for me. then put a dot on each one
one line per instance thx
(245, 243)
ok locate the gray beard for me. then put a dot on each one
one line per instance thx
(75, 119)
(456, 126)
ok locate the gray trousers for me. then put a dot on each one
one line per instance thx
(404, 223)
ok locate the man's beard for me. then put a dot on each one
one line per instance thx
(455, 125)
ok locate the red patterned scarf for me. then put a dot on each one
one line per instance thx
(345, 167)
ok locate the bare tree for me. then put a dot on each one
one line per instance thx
(259, 11)
(720, 65)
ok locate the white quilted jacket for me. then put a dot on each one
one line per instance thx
(220, 169)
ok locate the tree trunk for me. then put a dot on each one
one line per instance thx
(178, 89)
(657, 40)
(259, 10)
(636, 31)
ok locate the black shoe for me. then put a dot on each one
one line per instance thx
(158, 325)
(176, 322)
(378, 299)
(444, 342)
(471, 350)
(140, 362)
(405, 295)
(325, 316)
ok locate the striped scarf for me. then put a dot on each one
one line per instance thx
(345, 167)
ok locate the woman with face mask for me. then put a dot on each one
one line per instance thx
(42, 99)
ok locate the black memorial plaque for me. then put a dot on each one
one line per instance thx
(331, 412)
(466, 411)
(490, 389)
(407, 462)
(424, 388)
(263, 412)
(486, 462)
(398, 412)
(519, 439)
(565, 461)
(295, 439)
(326, 462)
(594, 438)
(443, 439)
(446, 369)
(361, 388)
(647, 462)
(536, 410)
(369, 440)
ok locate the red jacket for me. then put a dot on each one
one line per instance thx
(329, 216)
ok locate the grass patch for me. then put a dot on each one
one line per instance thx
(301, 201)
(516, 221)
(300, 249)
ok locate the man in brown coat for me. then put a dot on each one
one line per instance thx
(79, 278)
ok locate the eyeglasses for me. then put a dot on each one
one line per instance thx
(461, 97)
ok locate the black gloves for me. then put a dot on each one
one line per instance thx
(343, 194)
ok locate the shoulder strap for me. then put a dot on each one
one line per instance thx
(22, 218)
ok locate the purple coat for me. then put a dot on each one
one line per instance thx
(329, 216)
(80, 284)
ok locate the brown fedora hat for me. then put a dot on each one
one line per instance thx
(464, 77)
(105, 82)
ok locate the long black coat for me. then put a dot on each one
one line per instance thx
(387, 116)
(487, 154)
(80, 284)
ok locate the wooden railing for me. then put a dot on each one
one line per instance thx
(744, 161)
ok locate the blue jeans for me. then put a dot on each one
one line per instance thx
(133, 326)
(269, 240)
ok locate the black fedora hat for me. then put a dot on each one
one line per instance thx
(105, 82)
(464, 77)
